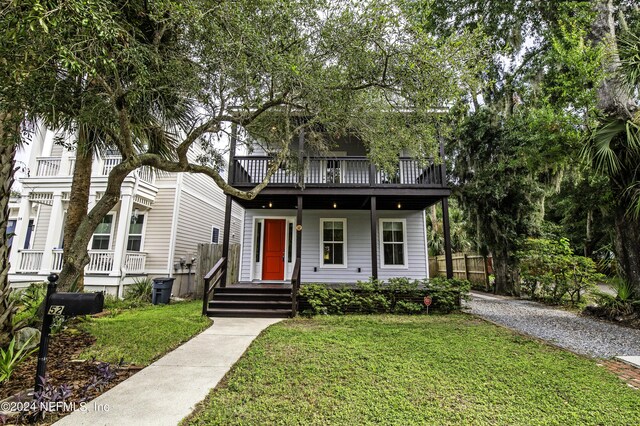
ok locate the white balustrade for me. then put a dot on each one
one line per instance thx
(30, 260)
(109, 163)
(48, 166)
(56, 260)
(134, 262)
(100, 261)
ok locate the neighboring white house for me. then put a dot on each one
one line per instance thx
(160, 218)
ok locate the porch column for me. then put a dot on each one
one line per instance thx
(53, 234)
(225, 238)
(299, 236)
(229, 203)
(447, 237)
(120, 247)
(20, 232)
(374, 239)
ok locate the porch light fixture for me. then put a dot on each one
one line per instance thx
(335, 205)
(270, 204)
(399, 205)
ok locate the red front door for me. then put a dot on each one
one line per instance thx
(273, 261)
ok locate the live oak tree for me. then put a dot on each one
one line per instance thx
(175, 75)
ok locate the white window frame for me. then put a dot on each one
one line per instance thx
(113, 223)
(142, 233)
(344, 242)
(405, 243)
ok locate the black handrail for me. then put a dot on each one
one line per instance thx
(295, 287)
(215, 274)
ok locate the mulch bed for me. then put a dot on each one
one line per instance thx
(65, 368)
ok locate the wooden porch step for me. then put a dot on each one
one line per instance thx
(253, 296)
(250, 313)
(252, 289)
(249, 304)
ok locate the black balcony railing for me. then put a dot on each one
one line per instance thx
(336, 172)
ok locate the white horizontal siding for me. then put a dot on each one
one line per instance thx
(42, 224)
(157, 236)
(358, 245)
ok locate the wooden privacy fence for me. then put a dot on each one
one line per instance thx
(208, 255)
(472, 267)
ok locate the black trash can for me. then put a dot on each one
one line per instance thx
(161, 290)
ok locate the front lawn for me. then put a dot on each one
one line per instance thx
(444, 370)
(143, 334)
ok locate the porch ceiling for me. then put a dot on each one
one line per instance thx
(342, 201)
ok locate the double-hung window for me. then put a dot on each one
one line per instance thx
(393, 239)
(333, 242)
(134, 242)
(102, 235)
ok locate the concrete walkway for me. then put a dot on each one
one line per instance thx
(168, 390)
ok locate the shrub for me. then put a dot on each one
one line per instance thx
(10, 358)
(551, 272)
(139, 290)
(28, 301)
(399, 295)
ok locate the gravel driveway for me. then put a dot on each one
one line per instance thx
(580, 334)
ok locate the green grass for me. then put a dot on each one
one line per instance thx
(141, 335)
(441, 370)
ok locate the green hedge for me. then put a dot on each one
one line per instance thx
(398, 295)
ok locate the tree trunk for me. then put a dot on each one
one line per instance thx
(504, 274)
(76, 248)
(627, 243)
(9, 140)
(78, 200)
(615, 102)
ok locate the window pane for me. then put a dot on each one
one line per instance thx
(338, 254)
(136, 225)
(134, 243)
(387, 236)
(398, 254)
(100, 242)
(338, 235)
(290, 243)
(104, 227)
(388, 254)
(258, 241)
(327, 234)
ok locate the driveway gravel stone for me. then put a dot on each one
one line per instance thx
(583, 335)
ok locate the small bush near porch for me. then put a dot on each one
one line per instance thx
(444, 370)
(397, 295)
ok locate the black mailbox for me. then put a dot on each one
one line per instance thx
(73, 304)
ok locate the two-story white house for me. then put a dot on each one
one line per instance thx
(159, 220)
(328, 217)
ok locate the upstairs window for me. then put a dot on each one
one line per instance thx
(393, 241)
(102, 235)
(333, 242)
(134, 242)
(215, 235)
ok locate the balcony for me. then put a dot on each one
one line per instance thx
(339, 172)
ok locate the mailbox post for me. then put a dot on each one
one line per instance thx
(67, 304)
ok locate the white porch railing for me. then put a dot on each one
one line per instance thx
(30, 260)
(100, 261)
(145, 173)
(56, 260)
(134, 262)
(72, 165)
(48, 166)
(108, 163)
